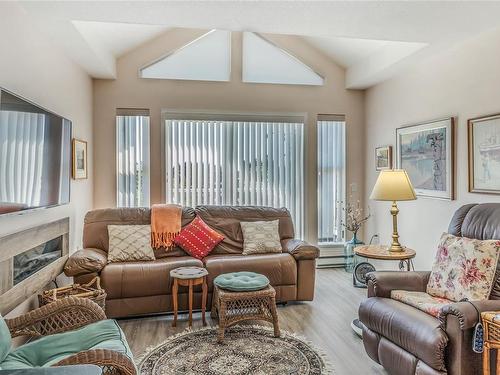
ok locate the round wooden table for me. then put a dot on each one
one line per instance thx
(381, 252)
(189, 276)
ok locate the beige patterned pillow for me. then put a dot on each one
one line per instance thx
(129, 242)
(261, 237)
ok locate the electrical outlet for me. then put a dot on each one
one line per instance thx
(354, 187)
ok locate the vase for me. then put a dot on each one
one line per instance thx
(349, 251)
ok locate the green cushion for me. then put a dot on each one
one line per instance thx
(48, 350)
(5, 339)
(241, 281)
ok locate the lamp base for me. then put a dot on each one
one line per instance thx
(396, 248)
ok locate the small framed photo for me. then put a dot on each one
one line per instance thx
(79, 159)
(383, 158)
(484, 154)
(427, 152)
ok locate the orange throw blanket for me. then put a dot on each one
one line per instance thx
(165, 224)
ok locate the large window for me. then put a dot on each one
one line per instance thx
(331, 177)
(132, 144)
(236, 160)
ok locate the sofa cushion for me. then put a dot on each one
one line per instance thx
(5, 339)
(261, 237)
(226, 220)
(129, 243)
(407, 327)
(280, 269)
(463, 268)
(198, 239)
(241, 281)
(139, 279)
(48, 350)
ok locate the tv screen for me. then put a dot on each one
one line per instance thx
(35, 156)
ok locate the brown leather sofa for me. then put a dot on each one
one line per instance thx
(407, 341)
(136, 288)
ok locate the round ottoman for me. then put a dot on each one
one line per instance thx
(241, 296)
(241, 281)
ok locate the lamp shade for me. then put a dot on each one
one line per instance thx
(393, 185)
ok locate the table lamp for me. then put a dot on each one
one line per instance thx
(393, 185)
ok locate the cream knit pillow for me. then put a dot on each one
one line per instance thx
(129, 243)
(261, 237)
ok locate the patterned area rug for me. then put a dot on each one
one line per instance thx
(247, 350)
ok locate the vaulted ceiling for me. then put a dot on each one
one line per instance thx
(372, 40)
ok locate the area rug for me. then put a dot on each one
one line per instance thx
(247, 350)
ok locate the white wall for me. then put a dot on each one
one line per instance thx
(462, 82)
(31, 66)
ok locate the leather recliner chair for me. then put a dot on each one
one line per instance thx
(144, 287)
(407, 341)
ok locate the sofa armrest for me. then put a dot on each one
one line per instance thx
(300, 250)
(85, 261)
(381, 283)
(465, 313)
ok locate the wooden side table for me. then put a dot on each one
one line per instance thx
(189, 276)
(380, 252)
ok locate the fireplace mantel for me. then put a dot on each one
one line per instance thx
(12, 245)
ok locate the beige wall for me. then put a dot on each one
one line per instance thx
(32, 67)
(129, 91)
(462, 82)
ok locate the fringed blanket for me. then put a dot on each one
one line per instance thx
(165, 224)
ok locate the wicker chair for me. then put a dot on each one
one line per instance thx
(65, 315)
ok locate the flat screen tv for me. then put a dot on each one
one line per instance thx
(35, 156)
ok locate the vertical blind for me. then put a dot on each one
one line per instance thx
(331, 178)
(236, 163)
(21, 157)
(132, 144)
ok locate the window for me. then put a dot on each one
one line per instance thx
(235, 160)
(132, 144)
(331, 177)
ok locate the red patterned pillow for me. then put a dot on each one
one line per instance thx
(198, 239)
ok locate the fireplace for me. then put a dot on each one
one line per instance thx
(31, 261)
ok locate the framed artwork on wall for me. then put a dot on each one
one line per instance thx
(79, 159)
(383, 158)
(426, 152)
(484, 154)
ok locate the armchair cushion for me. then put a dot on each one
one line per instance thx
(421, 300)
(85, 261)
(463, 268)
(49, 350)
(5, 339)
(300, 250)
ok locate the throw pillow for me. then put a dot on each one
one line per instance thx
(261, 237)
(198, 239)
(5, 339)
(129, 243)
(463, 268)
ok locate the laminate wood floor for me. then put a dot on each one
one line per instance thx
(325, 322)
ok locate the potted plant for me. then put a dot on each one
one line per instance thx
(354, 218)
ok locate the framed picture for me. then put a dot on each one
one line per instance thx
(383, 158)
(484, 154)
(426, 152)
(79, 159)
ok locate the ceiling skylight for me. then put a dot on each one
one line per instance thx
(264, 62)
(207, 58)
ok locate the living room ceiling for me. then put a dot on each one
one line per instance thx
(372, 40)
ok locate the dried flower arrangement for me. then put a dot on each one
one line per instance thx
(354, 215)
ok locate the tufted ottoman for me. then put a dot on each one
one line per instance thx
(240, 296)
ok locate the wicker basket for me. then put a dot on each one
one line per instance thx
(92, 290)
